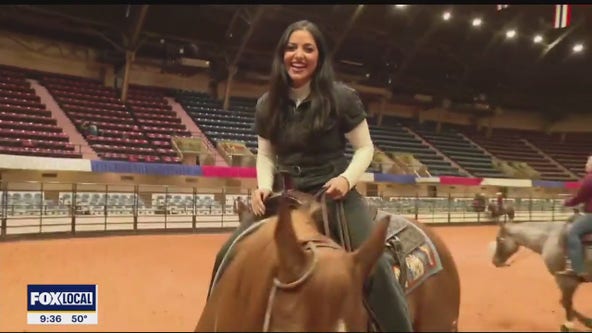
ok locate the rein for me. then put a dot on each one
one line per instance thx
(311, 246)
(343, 229)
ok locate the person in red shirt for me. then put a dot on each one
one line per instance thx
(500, 201)
(581, 226)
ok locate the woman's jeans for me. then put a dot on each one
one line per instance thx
(581, 226)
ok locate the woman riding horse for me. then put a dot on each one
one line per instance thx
(581, 226)
(303, 123)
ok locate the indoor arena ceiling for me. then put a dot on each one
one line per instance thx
(407, 49)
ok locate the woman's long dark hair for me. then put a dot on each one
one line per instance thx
(321, 85)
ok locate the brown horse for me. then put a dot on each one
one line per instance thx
(433, 305)
(286, 276)
(496, 212)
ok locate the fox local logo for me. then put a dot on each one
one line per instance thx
(62, 297)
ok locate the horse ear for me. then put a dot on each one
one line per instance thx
(240, 206)
(366, 256)
(291, 257)
(245, 216)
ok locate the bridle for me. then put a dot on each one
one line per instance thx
(311, 246)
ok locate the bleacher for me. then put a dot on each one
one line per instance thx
(572, 154)
(235, 124)
(120, 135)
(394, 138)
(26, 126)
(157, 119)
(140, 130)
(455, 147)
(23, 203)
(508, 145)
(216, 123)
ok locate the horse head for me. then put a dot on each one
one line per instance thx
(504, 246)
(319, 286)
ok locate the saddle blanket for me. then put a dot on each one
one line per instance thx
(421, 257)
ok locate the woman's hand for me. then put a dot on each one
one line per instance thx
(257, 198)
(337, 187)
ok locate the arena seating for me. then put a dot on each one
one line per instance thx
(394, 138)
(23, 202)
(157, 119)
(218, 124)
(455, 147)
(140, 130)
(572, 153)
(509, 146)
(121, 136)
(26, 126)
(93, 203)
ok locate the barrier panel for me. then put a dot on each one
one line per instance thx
(33, 208)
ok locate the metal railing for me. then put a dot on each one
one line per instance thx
(33, 208)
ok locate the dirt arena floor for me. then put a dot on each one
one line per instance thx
(159, 282)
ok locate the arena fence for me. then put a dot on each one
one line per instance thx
(35, 208)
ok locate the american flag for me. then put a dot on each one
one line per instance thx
(562, 16)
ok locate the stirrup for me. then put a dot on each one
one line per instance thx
(567, 272)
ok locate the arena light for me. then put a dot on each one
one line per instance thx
(477, 22)
(537, 39)
(446, 16)
(400, 6)
(579, 47)
(511, 33)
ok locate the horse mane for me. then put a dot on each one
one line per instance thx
(533, 227)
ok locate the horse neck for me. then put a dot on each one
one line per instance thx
(531, 235)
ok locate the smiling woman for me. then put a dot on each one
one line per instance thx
(303, 124)
(301, 57)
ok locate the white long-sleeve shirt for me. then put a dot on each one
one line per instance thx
(359, 138)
